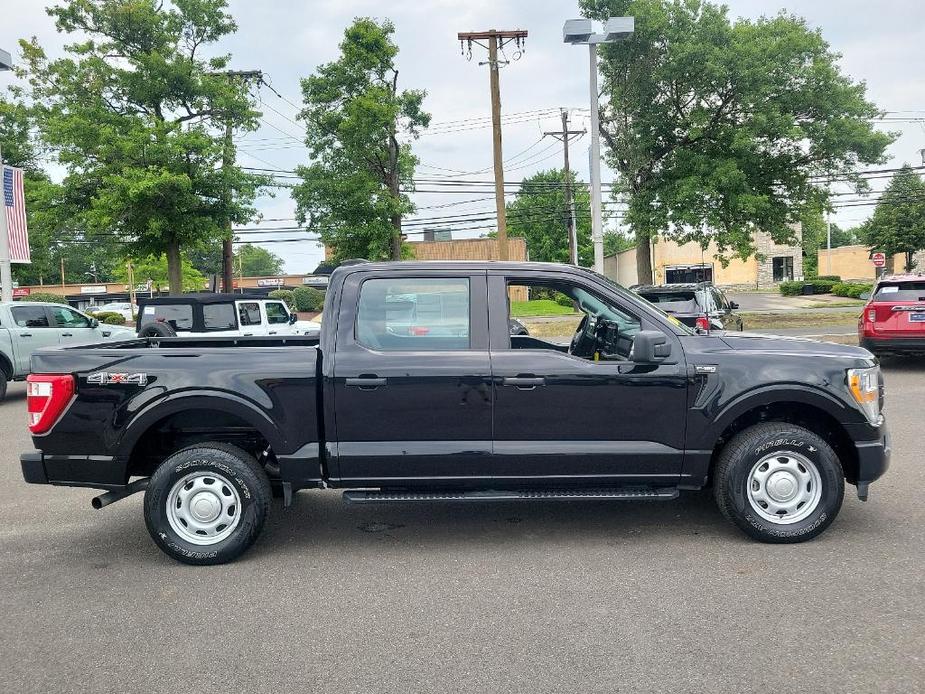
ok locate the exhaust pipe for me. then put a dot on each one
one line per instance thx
(102, 500)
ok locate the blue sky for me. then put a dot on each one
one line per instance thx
(882, 43)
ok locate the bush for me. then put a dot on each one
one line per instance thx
(820, 286)
(45, 298)
(307, 299)
(852, 290)
(110, 318)
(833, 278)
(284, 295)
(565, 300)
(791, 288)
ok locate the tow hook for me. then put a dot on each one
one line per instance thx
(102, 500)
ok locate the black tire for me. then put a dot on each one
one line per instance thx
(240, 469)
(754, 445)
(2, 385)
(157, 330)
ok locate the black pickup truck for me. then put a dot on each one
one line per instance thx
(416, 391)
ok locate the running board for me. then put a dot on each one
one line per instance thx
(626, 493)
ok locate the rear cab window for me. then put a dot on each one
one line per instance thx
(414, 314)
(674, 302)
(177, 316)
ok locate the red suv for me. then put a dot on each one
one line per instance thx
(893, 321)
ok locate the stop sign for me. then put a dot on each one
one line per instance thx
(879, 259)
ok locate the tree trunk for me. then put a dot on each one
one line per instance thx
(174, 268)
(394, 190)
(910, 261)
(643, 257)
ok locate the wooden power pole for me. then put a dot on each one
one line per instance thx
(496, 40)
(572, 222)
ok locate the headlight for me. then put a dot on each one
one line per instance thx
(864, 385)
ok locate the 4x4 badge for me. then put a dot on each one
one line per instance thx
(104, 378)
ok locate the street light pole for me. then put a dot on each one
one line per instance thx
(597, 221)
(579, 31)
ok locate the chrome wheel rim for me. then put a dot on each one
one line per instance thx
(784, 487)
(203, 508)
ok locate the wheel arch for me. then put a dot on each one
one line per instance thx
(6, 366)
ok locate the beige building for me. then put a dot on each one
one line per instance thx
(673, 262)
(854, 263)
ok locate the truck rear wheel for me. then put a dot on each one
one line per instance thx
(2, 385)
(779, 483)
(206, 504)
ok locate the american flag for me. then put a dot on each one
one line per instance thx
(14, 204)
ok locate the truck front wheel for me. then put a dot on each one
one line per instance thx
(779, 482)
(206, 504)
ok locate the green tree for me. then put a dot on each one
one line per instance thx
(898, 222)
(718, 127)
(539, 214)
(254, 261)
(155, 269)
(358, 126)
(136, 115)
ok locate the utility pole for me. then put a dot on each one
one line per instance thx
(497, 40)
(227, 162)
(572, 222)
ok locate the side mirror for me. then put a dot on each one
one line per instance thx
(650, 347)
(733, 305)
(293, 318)
(94, 323)
(864, 295)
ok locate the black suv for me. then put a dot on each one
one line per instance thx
(699, 305)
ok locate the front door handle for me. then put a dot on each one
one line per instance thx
(365, 382)
(524, 382)
(25, 334)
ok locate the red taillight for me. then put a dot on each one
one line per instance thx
(703, 323)
(47, 396)
(872, 315)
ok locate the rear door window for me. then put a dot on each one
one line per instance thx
(249, 313)
(218, 317)
(30, 316)
(900, 291)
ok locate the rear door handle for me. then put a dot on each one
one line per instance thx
(67, 334)
(524, 382)
(25, 334)
(365, 382)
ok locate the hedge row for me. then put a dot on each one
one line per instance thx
(820, 286)
(852, 290)
(110, 318)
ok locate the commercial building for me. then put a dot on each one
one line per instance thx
(689, 262)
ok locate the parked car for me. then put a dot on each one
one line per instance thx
(218, 315)
(26, 326)
(637, 407)
(699, 305)
(125, 308)
(893, 319)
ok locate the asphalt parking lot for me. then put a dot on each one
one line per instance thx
(515, 597)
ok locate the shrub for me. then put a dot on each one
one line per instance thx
(307, 299)
(111, 318)
(852, 290)
(833, 278)
(820, 286)
(565, 300)
(45, 298)
(791, 288)
(284, 295)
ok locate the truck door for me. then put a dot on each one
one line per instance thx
(411, 379)
(572, 407)
(32, 331)
(250, 318)
(71, 326)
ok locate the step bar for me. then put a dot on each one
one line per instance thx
(373, 496)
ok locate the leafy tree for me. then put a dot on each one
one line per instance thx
(136, 115)
(617, 242)
(898, 222)
(155, 268)
(358, 125)
(539, 214)
(254, 261)
(717, 128)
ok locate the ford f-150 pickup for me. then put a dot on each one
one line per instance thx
(416, 391)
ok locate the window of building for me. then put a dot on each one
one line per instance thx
(218, 317)
(249, 313)
(782, 268)
(414, 314)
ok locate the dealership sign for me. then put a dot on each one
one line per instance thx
(94, 289)
(21, 291)
(275, 282)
